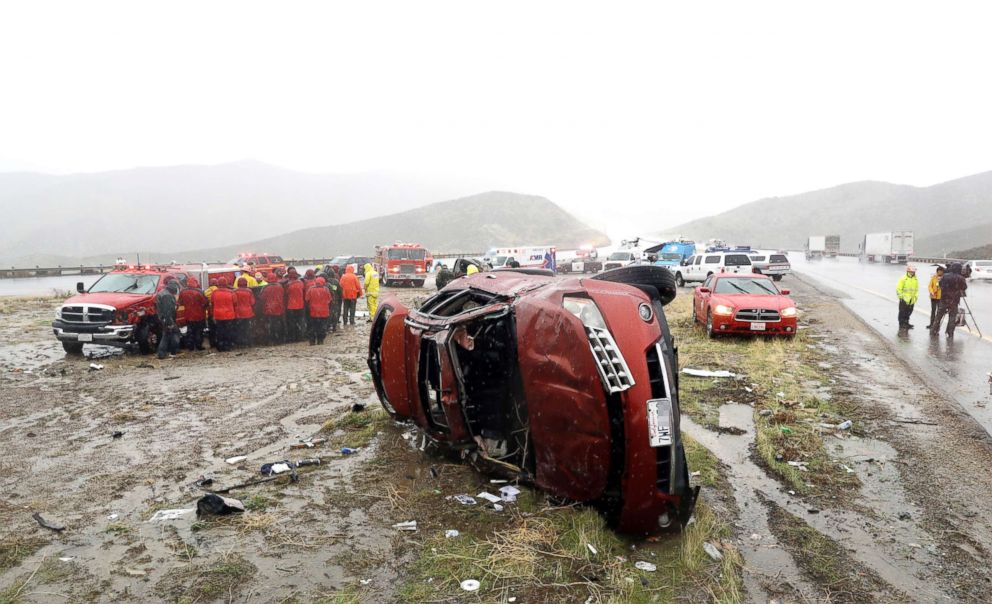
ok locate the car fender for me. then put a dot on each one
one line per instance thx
(388, 359)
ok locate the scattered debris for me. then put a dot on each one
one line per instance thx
(409, 525)
(489, 497)
(277, 467)
(308, 444)
(163, 515)
(470, 585)
(365, 581)
(46, 524)
(497, 507)
(204, 481)
(695, 474)
(358, 407)
(904, 516)
(135, 572)
(845, 425)
(801, 465)
(765, 412)
(592, 549)
(96, 367)
(171, 377)
(712, 551)
(498, 481)
(236, 459)
(813, 511)
(348, 451)
(116, 434)
(450, 533)
(216, 505)
(509, 493)
(463, 499)
(645, 566)
(113, 517)
(708, 373)
(66, 559)
(313, 461)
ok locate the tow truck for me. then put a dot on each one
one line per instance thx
(119, 309)
(403, 263)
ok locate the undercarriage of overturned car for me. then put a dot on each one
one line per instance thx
(567, 384)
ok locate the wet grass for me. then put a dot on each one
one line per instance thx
(50, 571)
(12, 304)
(355, 430)
(842, 578)
(222, 578)
(14, 550)
(118, 529)
(781, 380)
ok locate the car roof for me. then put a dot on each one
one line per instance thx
(740, 276)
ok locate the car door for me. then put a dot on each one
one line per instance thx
(702, 298)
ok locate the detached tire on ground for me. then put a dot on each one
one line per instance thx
(658, 277)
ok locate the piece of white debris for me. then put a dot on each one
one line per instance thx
(592, 549)
(448, 534)
(498, 481)
(95, 367)
(780, 394)
(755, 537)
(712, 551)
(66, 559)
(706, 373)
(365, 581)
(509, 493)
(645, 566)
(162, 515)
(696, 473)
(236, 459)
(497, 507)
(409, 525)
(463, 499)
(512, 599)
(470, 585)
(489, 497)
(113, 517)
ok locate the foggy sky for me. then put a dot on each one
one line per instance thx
(629, 114)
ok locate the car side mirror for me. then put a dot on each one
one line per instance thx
(784, 292)
(703, 290)
(80, 287)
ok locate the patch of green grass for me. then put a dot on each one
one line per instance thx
(228, 574)
(119, 529)
(258, 503)
(14, 550)
(349, 594)
(782, 378)
(356, 429)
(699, 459)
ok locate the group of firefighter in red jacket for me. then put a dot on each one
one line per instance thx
(268, 309)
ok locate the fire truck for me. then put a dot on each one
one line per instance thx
(119, 309)
(407, 263)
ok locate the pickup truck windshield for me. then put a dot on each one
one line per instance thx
(406, 254)
(338, 260)
(126, 283)
(758, 287)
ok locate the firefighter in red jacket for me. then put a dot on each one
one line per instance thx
(295, 315)
(194, 304)
(319, 309)
(274, 309)
(244, 308)
(222, 309)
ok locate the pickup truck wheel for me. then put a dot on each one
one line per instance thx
(644, 274)
(709, 325)
(147, 338)
(73, 347)
(679, 280)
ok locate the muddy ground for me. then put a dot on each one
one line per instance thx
(909, 522)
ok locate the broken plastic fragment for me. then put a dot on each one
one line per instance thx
(409, 525)
(712, 551)
(845, 425)
(645, 566)
(236, 459)
(592, 549)
(489, 497)
(464, 499)
(470, 585)
(707, 373)
(509, 493)
(162, 515)
(95, 367)
(448, 534)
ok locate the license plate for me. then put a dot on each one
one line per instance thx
(659, 422)
(84, 337)
(757, 326)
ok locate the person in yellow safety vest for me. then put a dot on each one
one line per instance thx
(935, 293)
(246, 275)
(260, 279)
(907, 289)
(471, 270)
(371, 289)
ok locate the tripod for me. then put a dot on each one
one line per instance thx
(963, 317)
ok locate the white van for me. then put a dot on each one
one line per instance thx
(697, 268)
(540, 256)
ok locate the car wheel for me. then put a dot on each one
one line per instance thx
(679, 280)
(419, 283)
(776, 277)
(73, 347)
(147, 338)
(658, 277)
(709, 325)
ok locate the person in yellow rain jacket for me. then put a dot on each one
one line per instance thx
(371, 289)
(907, 289)
(247, 276)
(471, 270)
(935, 293)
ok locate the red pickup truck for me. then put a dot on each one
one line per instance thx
(119, 309)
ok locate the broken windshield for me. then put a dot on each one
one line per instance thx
(126, 283)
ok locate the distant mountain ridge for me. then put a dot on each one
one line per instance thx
(67, 217)
(946, 216)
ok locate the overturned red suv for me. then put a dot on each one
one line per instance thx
(569, 384)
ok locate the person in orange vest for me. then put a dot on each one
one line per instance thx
(222, 309)
(244, 309)
(351, 291)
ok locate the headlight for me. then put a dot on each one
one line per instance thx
(789, 312)
(612, 367)
(58, 313)
(723, 310)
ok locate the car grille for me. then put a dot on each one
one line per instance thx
(87, 314)
(757, 314)
(663, 455)
(612, 367)
(407, 268)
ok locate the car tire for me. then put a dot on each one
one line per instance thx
(73, 347)
(658, 277)
(419, 283)
(679, 280)
(776, 277)
(144, 336)
(709, 325)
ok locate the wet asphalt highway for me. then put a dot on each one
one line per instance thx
(958, 368)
